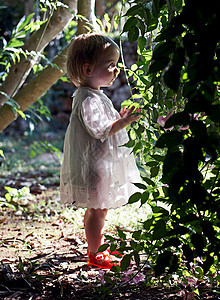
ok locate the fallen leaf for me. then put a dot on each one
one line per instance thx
(2, 220)
(6, 260)
(58, 223)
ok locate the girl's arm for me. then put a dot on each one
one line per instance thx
(126, 119)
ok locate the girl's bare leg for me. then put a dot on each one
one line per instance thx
(94, 221)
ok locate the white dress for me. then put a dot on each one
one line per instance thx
(96, 171)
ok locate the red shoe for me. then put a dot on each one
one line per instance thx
(101, 260)
(114, 252)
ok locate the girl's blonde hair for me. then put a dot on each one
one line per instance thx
(86, 48)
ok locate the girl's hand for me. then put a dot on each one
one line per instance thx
(122, 112)
(126, 119)
(127, 114)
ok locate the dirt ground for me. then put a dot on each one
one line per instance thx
(47, 260)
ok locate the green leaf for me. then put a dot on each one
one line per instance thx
(109, 280)
(170, 32)
(64, 79)
(179, 230)
(110, 238)
(134, 10)
(198, 129)
(142, 43)
(154, 171)
(147, 224)
(140, 186)
(162, 262)
(130, 23)
(136, 234)
(172, 165)
(133, 244)
(160, 210)
(113, 247)
(141, 26)
(158, 157)
(153, 24)
(23, 22)
(15, 43)
(163, 50)
(171, 78)
(152, 164)
(148, 181)
(115, 269)
(103, 247)
(140, 130)
(173, 264)
(156, 194)
(133, 34)
(158, 65)
(129, 144)
(144, 197)
(136, 257)
(134, 198)
(198, 242)
(125, 262)
(2, 153)
(179, 57)
(188, 253)
(20, 265)
(174, 242)
(181, 118)
(137, 146)
(170, 140)
(208, 263)
(159, 230)
(20, 112)
(214, 113)
(168, 104)
(165, 190)
(145, 81)
(20, 24)
(121, 234)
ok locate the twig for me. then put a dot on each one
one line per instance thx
(4, 286)
(213, 185)
(42, 255)
(38, 44)
(121, 50)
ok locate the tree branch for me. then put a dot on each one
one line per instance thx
(19, 72)
(35, 88)
(87, 10)
(29, 93)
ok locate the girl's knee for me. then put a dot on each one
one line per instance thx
(101, 213)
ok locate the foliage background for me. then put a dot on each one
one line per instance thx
(177, 76)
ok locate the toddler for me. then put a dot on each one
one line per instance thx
(97, 172)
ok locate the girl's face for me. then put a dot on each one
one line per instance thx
(105, 70)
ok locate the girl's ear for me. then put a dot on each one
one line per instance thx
(87, 69)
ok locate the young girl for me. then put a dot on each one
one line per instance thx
(97, 172)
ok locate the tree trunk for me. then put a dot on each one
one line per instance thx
(98, 6)
(87, 10)
(37, 42)
(34, 89)
(42, 82)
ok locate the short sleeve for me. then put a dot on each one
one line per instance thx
(95, 118)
